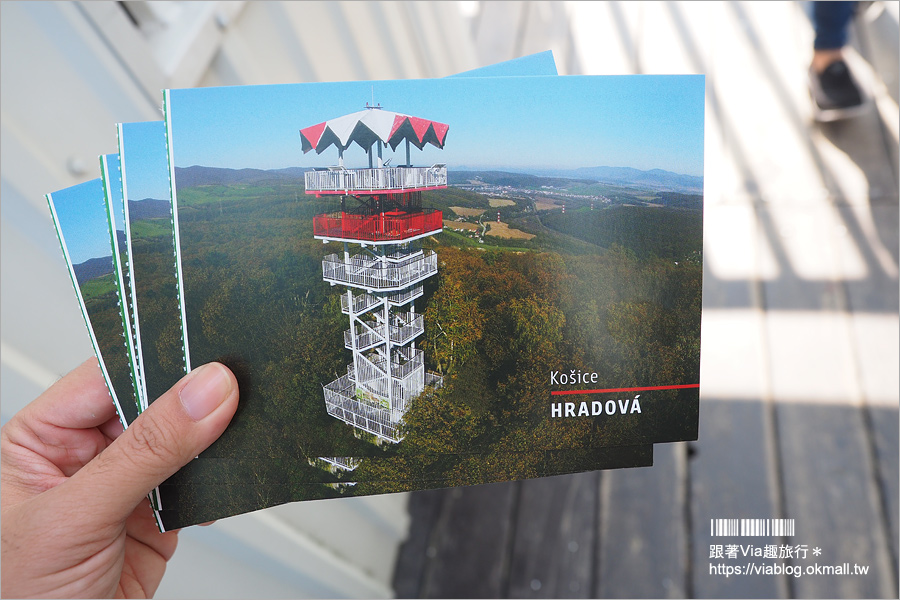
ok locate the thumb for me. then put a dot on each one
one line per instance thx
(170, 433)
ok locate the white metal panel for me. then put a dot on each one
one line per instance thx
(62, 92)
(365, 22)
(321, 33)
(242, 60)
(363, 531)
(259, 555)
(133, 50)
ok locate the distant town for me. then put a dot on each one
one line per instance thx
(545, 195)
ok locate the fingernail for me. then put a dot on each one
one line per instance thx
(206, 389)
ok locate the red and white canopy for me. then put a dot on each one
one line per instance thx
(368, 126)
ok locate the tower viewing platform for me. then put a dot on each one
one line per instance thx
(377, 275)
(388, 227)
(338, 180)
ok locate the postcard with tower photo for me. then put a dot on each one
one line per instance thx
(151, 257)
(531, 283)
(149, 236)
(206, 497)
(86, 228)
(111, 176)
(156, 309)
(151, 253)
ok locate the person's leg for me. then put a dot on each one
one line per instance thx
(830, 20)
(835, 93)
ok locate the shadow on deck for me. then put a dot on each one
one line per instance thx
(646, 533)
(799, 375)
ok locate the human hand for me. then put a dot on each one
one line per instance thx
(75, 516)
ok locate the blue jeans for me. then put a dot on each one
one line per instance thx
(830, 21)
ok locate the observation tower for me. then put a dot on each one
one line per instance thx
(382, 267)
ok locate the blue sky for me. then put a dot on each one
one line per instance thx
(643, 121)
(146, 167)
(115, 184)
(81, 210)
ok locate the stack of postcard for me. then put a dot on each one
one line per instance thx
(418, 284)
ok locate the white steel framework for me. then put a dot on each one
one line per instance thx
(381, 180)
(384, 278)
(382, 283)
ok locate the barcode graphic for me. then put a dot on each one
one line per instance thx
(751, 527)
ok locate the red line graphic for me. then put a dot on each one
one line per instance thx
(633, 389)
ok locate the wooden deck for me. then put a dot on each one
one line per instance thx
(799, 397)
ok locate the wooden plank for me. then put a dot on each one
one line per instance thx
(829, 489)
(732, 475)
(361, 20)
(759, 42)
(424, 509)
(21, 381)
(341, 62)
(855, 153)
(876, 35)
(804, 239)
(42, 321)
(555, 536)
(884, 430)
(643, 537)
(877, 40)
(867, 258)
(470, 554)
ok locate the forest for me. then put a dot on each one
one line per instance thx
(156, 288)
(615, 291)
(101, 302)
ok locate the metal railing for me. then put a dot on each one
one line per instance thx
(377, 275)
(407, 328)
(402, 297)
(377, 368)
(403, 389)
(393, 226)
(385, 179)
(434, 380)
(363, 302)
(341, 403)
(345, 463)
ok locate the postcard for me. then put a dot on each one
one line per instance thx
(111, 176)
(146, 185)
(151, 255)
(540, 329)
(374, 464)
(143, 146)
(80, 215)
(500, 466)
(258, 484)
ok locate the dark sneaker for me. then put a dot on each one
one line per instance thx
(835, 93)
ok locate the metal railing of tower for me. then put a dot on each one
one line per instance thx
(385, 179)
(381, 227)
(408, 327)
(341, 402)
(377, 275)
(365, 302)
